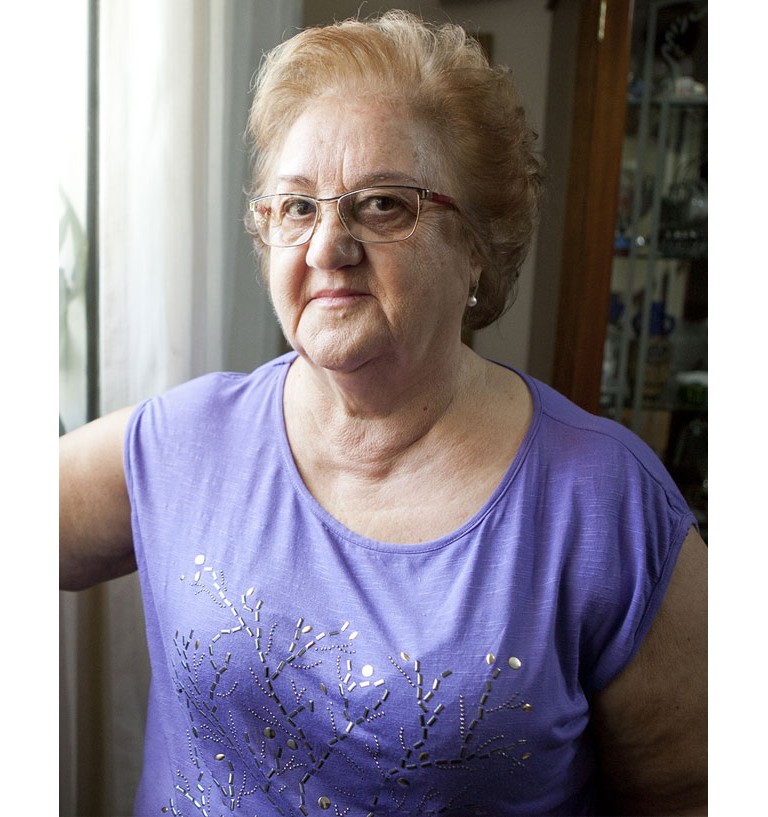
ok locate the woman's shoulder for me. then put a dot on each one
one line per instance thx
(217, 390)
(569, 431)
(589, 461)
(213, 402)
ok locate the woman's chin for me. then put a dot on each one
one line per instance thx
(340, 350)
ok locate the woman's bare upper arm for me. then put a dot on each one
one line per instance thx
(95, 542)
(651, 721)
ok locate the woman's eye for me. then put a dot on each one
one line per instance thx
(381, 203)
(298, 208)
(385, 203)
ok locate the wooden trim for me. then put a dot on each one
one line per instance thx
(592, 198)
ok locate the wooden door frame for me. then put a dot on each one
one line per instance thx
(599, 112)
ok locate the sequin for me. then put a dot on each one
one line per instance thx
(367, 671)
(515, 663)
(490, 658)
(200, 559)
(324, 803)
(219, 756)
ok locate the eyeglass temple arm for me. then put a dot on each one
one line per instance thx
(438, 198)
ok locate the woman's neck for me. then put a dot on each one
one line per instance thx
(372, 416)
(417, 462)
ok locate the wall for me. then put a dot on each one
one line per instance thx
(557, 148)
(318, 12)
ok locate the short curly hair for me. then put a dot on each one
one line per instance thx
(443, 78)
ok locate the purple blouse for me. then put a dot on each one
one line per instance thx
(301, 669)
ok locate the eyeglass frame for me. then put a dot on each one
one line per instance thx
(424, 194)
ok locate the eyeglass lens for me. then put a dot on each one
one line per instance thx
(374, 215)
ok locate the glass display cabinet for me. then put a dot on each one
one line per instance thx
(654, 374)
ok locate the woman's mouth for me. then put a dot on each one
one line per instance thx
(338, 297)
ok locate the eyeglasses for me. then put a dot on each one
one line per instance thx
(373, 215)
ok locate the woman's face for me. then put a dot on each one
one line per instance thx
(343, 304)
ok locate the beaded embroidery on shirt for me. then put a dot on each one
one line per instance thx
(312, 703)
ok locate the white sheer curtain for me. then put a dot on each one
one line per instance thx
(179, 296)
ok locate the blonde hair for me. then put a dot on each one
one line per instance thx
(442, 77)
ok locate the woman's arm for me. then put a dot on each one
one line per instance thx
(95, 542)
(651, 721)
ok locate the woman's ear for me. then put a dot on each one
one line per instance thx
(475, 269)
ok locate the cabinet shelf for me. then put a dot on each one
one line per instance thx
(670, 251)
(673, 100)
(670, 406)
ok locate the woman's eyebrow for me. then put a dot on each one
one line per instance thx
(366, 180)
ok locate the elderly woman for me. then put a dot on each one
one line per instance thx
(381, 575)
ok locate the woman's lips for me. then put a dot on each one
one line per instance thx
(339, 297)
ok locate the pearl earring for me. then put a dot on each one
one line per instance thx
(472, 300)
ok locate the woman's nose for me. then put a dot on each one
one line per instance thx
(331, 246)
